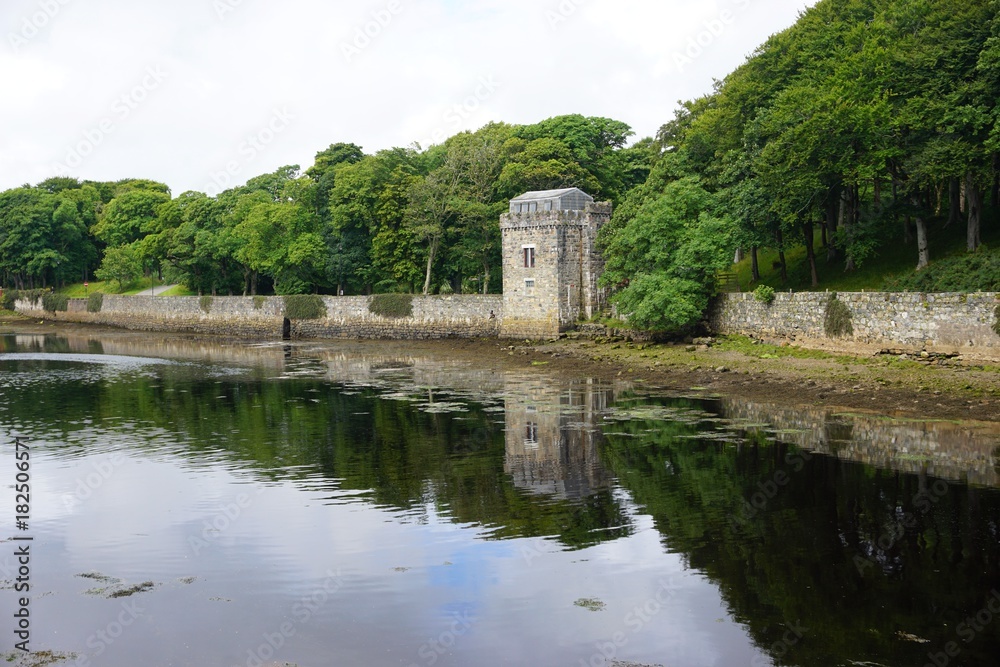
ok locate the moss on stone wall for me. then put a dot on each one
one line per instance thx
(258, 302)
(206, 304)
(55, 302)
(95, 302)
(996, 323)
(391, 305)
(838, 322)
(305, 307)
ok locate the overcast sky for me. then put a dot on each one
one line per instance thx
(202, 94)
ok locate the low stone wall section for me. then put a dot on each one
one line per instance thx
(940, 323)
(452, 316)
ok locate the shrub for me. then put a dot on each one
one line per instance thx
(304, 307)
(838, 322)
(764, 294)
(206, 304)
(95, 302)
(55, 302)
(446, 288)
(10, 297)
(258, 302)
(996, 324)
(391, 305)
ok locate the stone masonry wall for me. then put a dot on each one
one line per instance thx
(567, 267)
(944, 323)
(263, 317)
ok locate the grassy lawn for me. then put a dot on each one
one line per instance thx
(894, 260)
(180, 290)
(78, 291)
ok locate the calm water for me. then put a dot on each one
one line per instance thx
(348, 504)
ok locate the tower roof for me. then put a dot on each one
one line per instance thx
(538, 195)
(566, 199)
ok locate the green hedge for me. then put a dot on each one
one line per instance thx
(305, 307)
(391, 305)
(95, 302)
(10, 297)
(53, 303)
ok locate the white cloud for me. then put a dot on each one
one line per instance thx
(419, 72)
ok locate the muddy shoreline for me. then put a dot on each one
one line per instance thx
(786, 375)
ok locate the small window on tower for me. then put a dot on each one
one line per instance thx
(529, 257)
(529, 287)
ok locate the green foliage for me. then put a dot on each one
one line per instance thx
(838, 322)
(664, 255)
(205, 303)
(976, 272)
(996, 323)
(121, 264)
(95, 302)
(764, 294)
(258, 302)
(391, 305)
(446, 288)
(52, 302)
(305, 307)
(10, 297)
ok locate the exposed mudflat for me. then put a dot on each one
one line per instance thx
(888, 384)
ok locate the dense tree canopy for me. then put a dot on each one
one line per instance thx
(401, 219)
(868, 124)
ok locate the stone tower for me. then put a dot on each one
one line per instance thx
(550, 262)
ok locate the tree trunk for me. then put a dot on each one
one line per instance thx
(995, 194)
(431, 251)
(754, 265)
(849, 215)
(923, 254)
(781, 257)
(486, 279)
(809, 233)
(832, 215)
(974, 233)
(954, 201)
